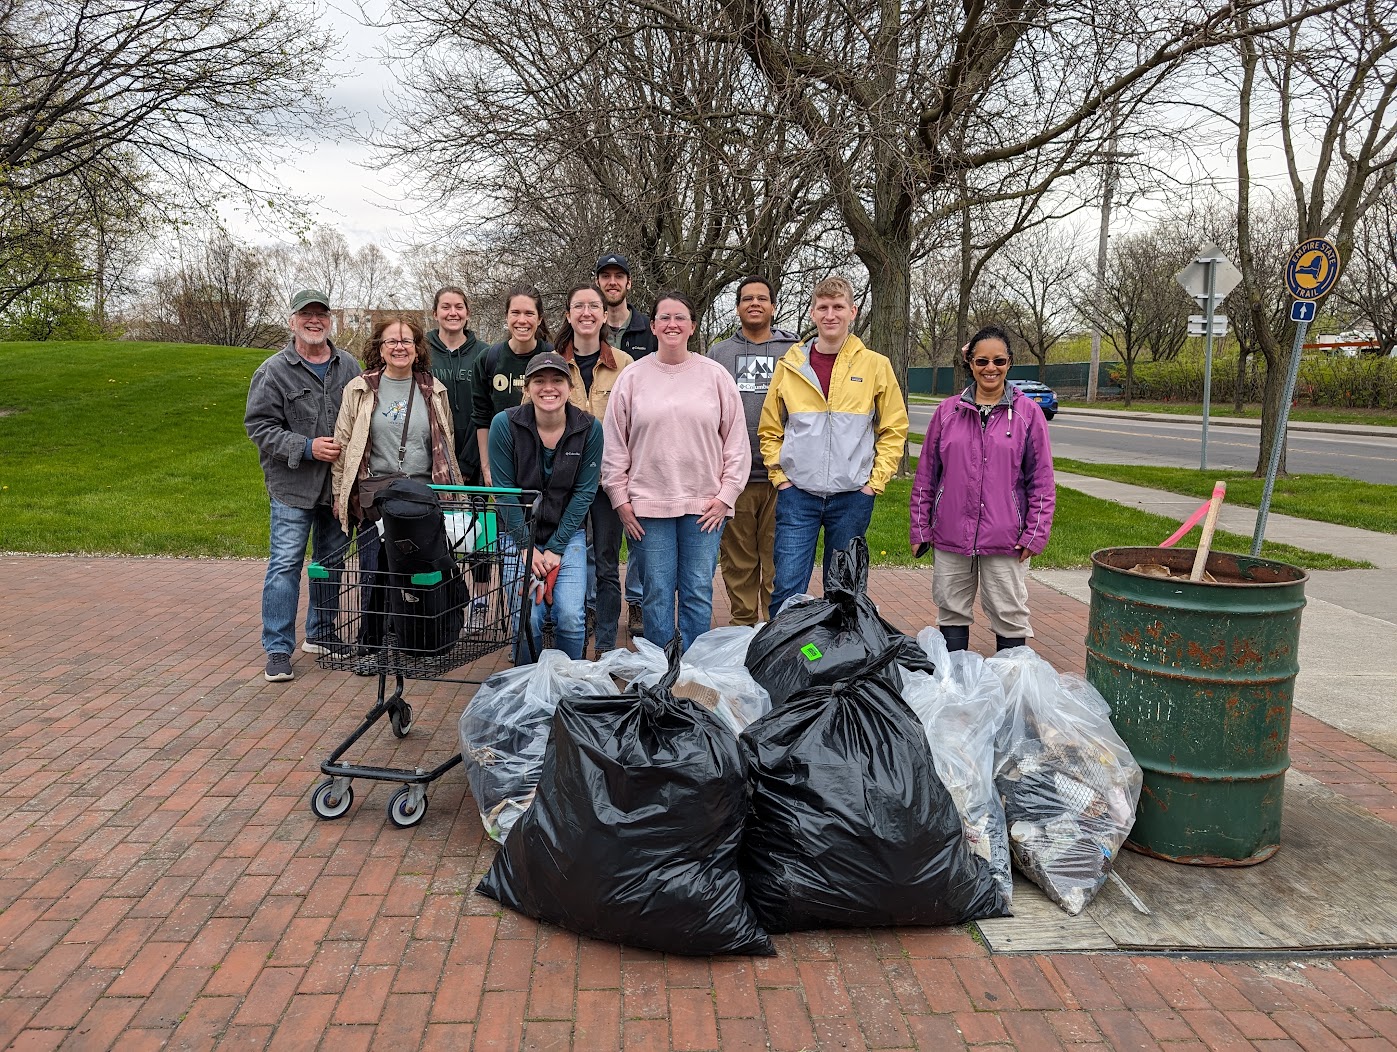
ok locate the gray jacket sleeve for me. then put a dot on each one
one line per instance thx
(266, 420)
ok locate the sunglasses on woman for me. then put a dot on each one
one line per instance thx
(980, 363)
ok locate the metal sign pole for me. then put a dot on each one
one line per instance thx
(1274, 466)
(1208, 359)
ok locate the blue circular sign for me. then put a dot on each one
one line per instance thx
(1313, 269)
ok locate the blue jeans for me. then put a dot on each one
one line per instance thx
(680, 563)
(799, 518)
(568, 610)
(281, 589)
(635, 571)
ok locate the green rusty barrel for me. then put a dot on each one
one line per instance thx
(1200, 679)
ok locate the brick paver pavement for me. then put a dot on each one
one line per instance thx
(164, 884)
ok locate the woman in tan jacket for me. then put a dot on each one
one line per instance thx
(395, 418)
(371, 427)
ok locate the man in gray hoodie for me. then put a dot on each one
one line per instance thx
(750, 355)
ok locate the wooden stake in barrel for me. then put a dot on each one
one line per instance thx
(1205, 542)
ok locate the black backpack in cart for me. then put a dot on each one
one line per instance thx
(427, 593)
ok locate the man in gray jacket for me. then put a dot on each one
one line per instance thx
(292, 404)
(745, 552)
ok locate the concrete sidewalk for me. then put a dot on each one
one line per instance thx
(163, 883)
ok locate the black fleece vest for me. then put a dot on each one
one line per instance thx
(567, 462)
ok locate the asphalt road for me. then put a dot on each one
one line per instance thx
(1109, 441)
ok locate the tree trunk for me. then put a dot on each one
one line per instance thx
(1129, 378)
(1239, 395)
(1272, 398)
(889, 265)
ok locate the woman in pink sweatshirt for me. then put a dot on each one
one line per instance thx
(676, 458)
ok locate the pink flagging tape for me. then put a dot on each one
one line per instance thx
(1193, 520)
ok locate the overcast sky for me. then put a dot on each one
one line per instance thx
(353, 194)
(366, 204)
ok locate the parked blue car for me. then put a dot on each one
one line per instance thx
(1040, 393)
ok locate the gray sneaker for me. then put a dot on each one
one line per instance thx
(333, 646)
(278, 668)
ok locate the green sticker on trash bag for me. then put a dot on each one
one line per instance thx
(811, 651)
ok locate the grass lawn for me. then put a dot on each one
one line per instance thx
(139, 449)
(1081, 525)
(1323, 498)
(1309, 414)
(136, 448)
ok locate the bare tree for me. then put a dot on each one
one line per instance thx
(577, 132)
(221, 292)
(1330, 83)
(915, 109)
(159, 102)
(1137, 306)
(1036, 275)
(1368, 287)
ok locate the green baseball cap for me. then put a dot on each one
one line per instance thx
(306, 297)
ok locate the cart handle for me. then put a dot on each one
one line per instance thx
(486, 490)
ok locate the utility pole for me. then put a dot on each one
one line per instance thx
(1108, 184)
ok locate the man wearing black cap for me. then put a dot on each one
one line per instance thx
(631, 333)
(630, 328)
(292, 404)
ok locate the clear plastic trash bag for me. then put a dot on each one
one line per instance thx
(504, 732)
(961, 707)
(1068, 781)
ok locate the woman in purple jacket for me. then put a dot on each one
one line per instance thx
(983, 497)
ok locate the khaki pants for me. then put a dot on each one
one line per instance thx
(745, 554)
(1001, 580)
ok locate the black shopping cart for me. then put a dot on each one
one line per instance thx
(421, 625)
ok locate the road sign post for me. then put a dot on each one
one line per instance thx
(1309, 275)
(1208, 279)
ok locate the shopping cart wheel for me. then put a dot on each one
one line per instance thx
(332, 798)
(407, 806)
(400, 717)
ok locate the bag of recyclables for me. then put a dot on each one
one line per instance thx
(711, 672)
(1068, 781)
(961, 707)
(504, 732)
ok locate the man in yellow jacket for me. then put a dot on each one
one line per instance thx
(832, 431)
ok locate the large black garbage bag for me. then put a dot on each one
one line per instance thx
(427, 593)
(850, 826)
(830, 639)
(635, 828)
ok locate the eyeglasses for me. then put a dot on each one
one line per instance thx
(318, 315)
(671, 317)
(399, 343)
(980, 363)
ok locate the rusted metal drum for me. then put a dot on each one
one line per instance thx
(1200, 679)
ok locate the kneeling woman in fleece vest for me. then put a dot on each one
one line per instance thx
(549, 445)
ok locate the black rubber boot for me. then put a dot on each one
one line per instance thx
(957, 637)
(1005, 642)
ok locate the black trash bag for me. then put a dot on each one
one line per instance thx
(827, 640)
(427, 617)
(635, 828)
(850, 825)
